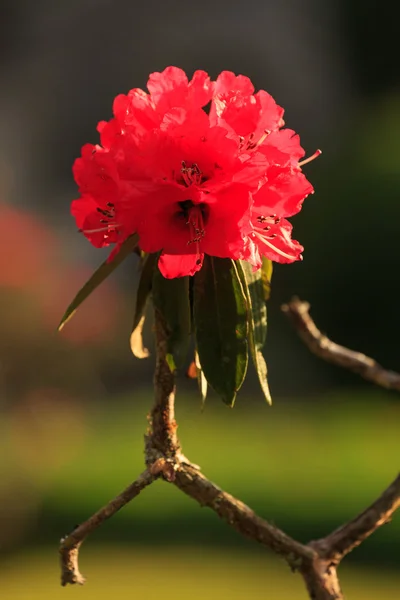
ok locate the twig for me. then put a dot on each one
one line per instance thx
(350, 535)
(298, 313)
(70, 544)
(319, 573)
(239, 516)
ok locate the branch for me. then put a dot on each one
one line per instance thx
(350, 535)
(298, 313)
(162, 441)
(317, 561)
(163, 449)
(239, 516)
(70, 545)
(163, 455)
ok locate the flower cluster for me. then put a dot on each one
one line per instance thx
(190, 181)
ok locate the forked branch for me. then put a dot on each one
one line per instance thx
(317, 561)
(298, 313)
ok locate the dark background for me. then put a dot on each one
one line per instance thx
(334, 67)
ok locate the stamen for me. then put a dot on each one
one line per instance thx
(196, 228)
(111, 227)
(252, 145)
(106, 213)
(263, 239)
(262, 138)
(273, 219)
(191, 174)
(310, 158)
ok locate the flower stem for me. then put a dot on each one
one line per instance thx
(162, 440)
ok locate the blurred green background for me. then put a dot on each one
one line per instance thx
(73, 405)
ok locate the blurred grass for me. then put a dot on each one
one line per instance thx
(305, 466)
(179, 574)
(294, 454)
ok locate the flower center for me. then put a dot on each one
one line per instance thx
(191, 175)
(195, 217)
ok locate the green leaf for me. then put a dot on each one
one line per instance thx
(266, 276)
(220, 316)
(171, 298)
(98, 277)
(149, 262)
(253, 284)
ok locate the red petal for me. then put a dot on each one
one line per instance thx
(136, 112)
(170, 79)
(96, 173)
(223, 230)
(200, 89)
(228, 83)
(175, 265)
(284, 242)
(286, 142)
(283, 193)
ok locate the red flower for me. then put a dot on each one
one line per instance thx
(189, 182)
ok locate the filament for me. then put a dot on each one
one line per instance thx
(310, 158)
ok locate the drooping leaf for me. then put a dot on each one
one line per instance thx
(253, 285)
(220, 316)
(127, 247)
(201, 379)
(142, 295)
(266, 276)
(171, 298)
(195, 371)
(136, 340)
